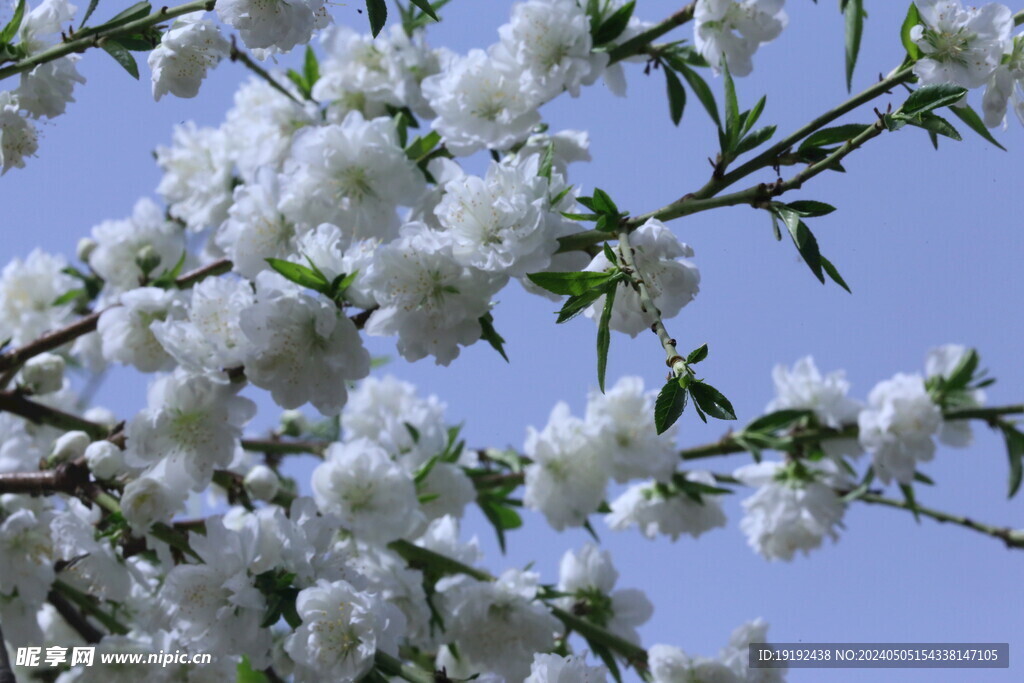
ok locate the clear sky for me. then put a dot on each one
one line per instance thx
(930, 242)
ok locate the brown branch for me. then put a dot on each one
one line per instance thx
(49, 341)
(75, 619)
(37, 413)
(68, 477)
(199, 274)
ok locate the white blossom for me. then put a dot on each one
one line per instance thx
(211, 338)
(342, 628)
(804, 388)
(550, 41)
(26, 556)
(186, 51)
(353, 174)
(1006, 86)
(18, 137)
(733, 30)
(367, 74)
(300, 346)
(125, 329)
(498, 625)
(570, 669)
(897, 427)
(262, 483)
(958, 45)
(271, 23)
(656, 508)
(69, 446)
(374, 497)
(567, 479)
(426, 297)
(254, 229)
(504, 222)
(480, 104)
(197, 180)
(942, 362)
(673, 280)
(589, 577)
(27, 291)
(43, 374)
(620, 417)
(788, 512)
(192, 423)
(46, 89)
(105, 459)
(118, 244)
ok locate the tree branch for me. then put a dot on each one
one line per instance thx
(95, 37)
(75, 619)
(16, 403)
(638, 43)
(1013, 538)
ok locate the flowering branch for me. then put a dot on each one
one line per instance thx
(96, 37)
(638, 43)
(16, 403)
(1013, 538)
(218, 267)
(49, 341)
(237, 55)
(274, 447)
(636, 278)
(417, 556)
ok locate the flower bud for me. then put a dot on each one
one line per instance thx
(43, 374)
(262, 483)
(293, 423)
(147, 259)
(105, 459)
(86, 246)
(101, 415)
(70, 446)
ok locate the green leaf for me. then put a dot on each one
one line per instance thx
(244, 673)
(963, 372)
(700, 88)
(613, 26)
(122, 56)
(602, 203)
(773, 422)
(756, 138)
(697, 355)
(971, 118)
(136, 11)
(853, 12)
(575, 305)
(427, 9)
(923, 478)
(68, 296)
(732, 110)
(831, 271)
(423, 145)
(930, 97)
(676, 96)
(831, 136)
(11, 29)
(298, 80)
(501, 517)
(1015, 453)
(711, 401)
(572, 284)
(910, 21)
(669, 406)
(609, 254)
(811, 209)
(491, 336)
(604, 336)
(547, 162)
(804, 240)
(377, 11)
(908, 496)
(310, 68)
(299, 274)
(752, 116)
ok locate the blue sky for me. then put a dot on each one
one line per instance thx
(930, 242)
